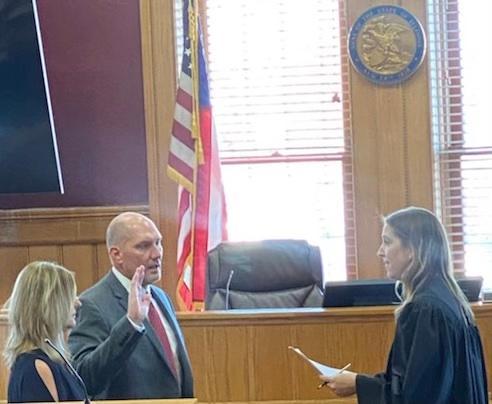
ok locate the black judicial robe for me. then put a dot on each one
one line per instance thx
(436, 356)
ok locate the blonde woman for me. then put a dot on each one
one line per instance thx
(437, 355)
(42, 307)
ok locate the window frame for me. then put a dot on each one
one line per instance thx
(344, 157)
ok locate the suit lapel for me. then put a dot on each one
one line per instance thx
(121, 295)
(118, 290)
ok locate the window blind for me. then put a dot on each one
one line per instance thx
(461, 85)
(278, 74)
(275, 77)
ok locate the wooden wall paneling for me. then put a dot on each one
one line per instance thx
(484, 323)
(242, 356)
(269, 353)
(312, 342)
(196, 342)
(365, 166)
(226, 376)
(272, 372)
(81, 259)
(229, 368)
(103, 264)
(12, 260)
(361, 336)
(418, 122)
(74, 237)
(159, 78)
(390, 154)
(336, 344)
(45, 253)
(391, 171)
(55, 228)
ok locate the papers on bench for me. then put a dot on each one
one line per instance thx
(318, 367)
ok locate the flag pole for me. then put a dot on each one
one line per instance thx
(195, 69)
(189, 162)
(195, 125)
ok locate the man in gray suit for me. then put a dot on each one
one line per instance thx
(127, 342)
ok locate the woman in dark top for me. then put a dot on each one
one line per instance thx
(437, 355)
(42, 306)
(26, 385)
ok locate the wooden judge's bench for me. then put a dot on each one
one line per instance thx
(242, 356)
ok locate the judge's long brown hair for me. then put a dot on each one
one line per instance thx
(421, 231)
(38, 308)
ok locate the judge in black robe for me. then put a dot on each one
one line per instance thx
(436, 356)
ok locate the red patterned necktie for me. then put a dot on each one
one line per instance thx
(160, 331)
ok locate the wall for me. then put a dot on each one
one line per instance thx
(94, 67)
(392, 146)
(391, 136)
(391, 154)
(93, 60)
(73, 237)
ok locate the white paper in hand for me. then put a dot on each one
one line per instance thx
(318, 367)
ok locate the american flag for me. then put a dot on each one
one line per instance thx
(193, 162)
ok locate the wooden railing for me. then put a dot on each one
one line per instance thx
(242, 356)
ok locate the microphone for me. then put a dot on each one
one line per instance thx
(228, 286)
(71, 368)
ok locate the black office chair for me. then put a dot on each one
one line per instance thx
(264, 274)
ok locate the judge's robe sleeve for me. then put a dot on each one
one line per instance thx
(420, 366)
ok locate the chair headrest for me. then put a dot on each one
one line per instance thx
(263, 266)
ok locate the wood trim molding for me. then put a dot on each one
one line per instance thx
(285, 316)
(60, 226)
(159, 81)
(249, 347)
(68, 213)
(392, 156)
(365, 314)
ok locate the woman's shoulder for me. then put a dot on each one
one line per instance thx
(441, 304)
(24, 373)
(29, 357)
(26, 362)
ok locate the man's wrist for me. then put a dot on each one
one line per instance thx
(139, 327)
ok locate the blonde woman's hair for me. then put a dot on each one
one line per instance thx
(38, 308)
(421, 231)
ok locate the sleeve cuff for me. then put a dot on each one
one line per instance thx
(369, 389)
(139, 328)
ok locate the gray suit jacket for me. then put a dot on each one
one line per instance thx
(115, 360)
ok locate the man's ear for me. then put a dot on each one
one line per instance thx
(115, 255)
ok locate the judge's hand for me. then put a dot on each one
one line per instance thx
(342, 384)
(138, 298)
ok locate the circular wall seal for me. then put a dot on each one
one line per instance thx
(386, 44)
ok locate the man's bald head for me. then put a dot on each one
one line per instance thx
(133, 239)
(122, 226)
